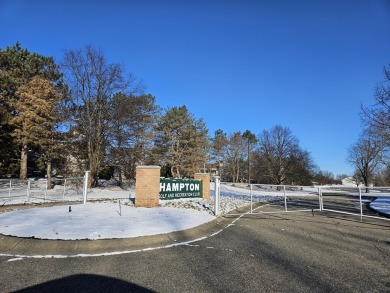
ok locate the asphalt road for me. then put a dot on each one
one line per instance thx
(296, 252)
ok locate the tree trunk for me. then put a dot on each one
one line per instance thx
(92, 171)
(120, 177)
(366, 183)
(48, 174)
(23, 163)
(365, 174)
(90, 180)
(93, 158)
(175, 174)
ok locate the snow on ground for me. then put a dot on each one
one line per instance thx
(381, 205)
(110, 212)
(98, 221)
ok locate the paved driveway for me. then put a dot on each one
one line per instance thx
(299, 252)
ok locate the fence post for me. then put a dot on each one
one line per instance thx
(64, 190)
(251, 197)
(319, 198)
(285, 198)
(10, 188)
(361, 204)
(45, 191)
(85, 189)
(28, 189)
(217, 190)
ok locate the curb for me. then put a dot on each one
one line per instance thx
(12, 246)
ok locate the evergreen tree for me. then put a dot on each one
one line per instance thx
(18, 68)
(181, 142)
(218, 148)
(131, 131)
(250, 140)
(35, 119)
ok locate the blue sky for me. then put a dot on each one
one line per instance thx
(306, 65)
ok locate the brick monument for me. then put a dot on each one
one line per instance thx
(147, 186)
(205, 177)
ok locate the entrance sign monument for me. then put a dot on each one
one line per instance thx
(150, 188)
(171, 188)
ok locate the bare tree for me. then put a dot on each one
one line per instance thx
(235, 156)
(277, 146)
(366, 156)
(93, 82)
(301, 168)
(377, 117)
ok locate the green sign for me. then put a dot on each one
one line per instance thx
(180, 188)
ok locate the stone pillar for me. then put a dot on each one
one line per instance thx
(205, 177)
(147, 186)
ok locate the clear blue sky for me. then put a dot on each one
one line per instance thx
(306, 65)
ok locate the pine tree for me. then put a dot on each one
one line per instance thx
(181, 142)
(131, 124)
(19, 67)
(35, 119)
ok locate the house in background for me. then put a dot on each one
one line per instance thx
(213, 169)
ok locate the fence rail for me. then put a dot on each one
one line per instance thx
(15, 191)
(357, 201)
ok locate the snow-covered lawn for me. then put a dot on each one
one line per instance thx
(98, 221)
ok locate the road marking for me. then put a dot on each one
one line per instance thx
(57, 256)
